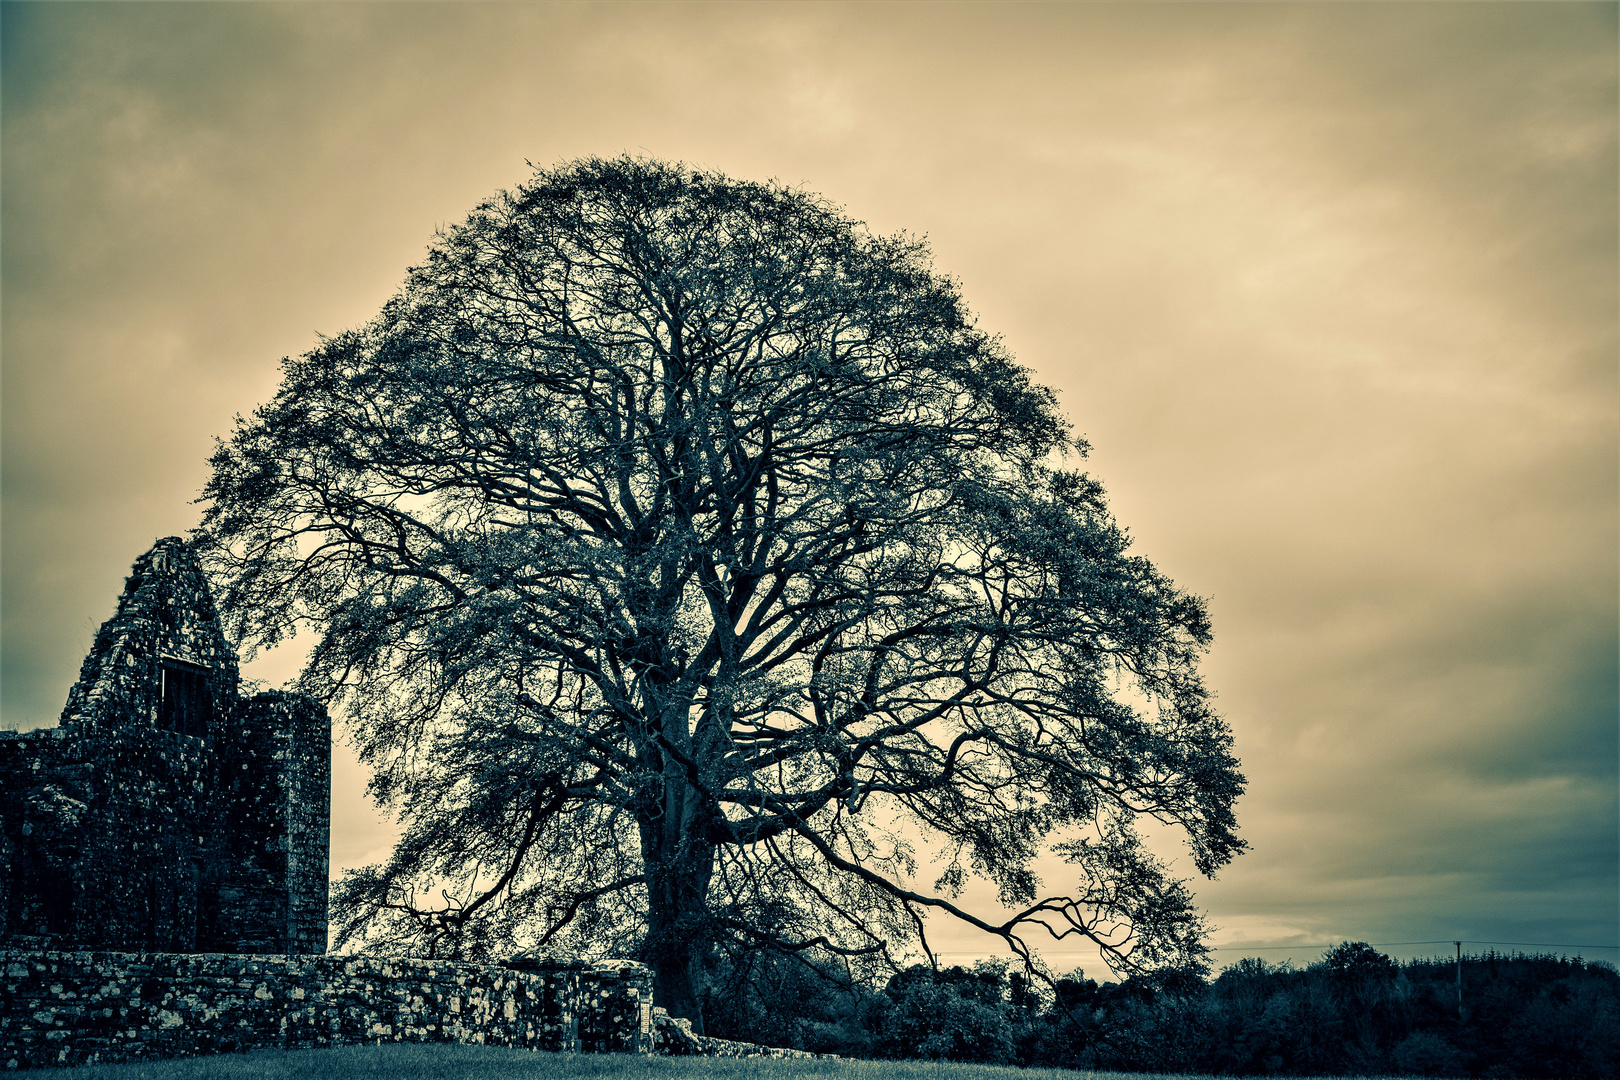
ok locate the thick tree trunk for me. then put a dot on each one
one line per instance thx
(676, 941)
(678, 865)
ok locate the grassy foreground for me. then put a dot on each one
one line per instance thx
(448, 1061)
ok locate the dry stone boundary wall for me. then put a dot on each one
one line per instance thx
(73, 1008)
(673, 1036)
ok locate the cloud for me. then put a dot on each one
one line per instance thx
(1329, 287)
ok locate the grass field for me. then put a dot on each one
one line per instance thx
(441, 1061)
(448, 1061)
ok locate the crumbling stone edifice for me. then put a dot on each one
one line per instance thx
(168, 826)
(166, 812)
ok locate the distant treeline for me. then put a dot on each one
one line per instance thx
(1354, 1012)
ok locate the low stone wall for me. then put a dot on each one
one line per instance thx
(71, 1008)
(672, 1036)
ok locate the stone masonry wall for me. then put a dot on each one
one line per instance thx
(42, 809)
(103, 830)
(165, 613)
(672, 1036)
(71, 1008)
(166, 813)
(304, 753)
(274, 793)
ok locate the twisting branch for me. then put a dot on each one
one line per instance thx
(718, 515)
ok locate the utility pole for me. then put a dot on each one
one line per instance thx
(1459, 980)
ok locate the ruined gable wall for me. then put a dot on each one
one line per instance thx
(165, 812)
(166, 611)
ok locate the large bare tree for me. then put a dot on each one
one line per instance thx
(683, 557)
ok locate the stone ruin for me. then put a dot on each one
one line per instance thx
(166, 812)
(163, 877)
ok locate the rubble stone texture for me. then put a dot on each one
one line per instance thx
(163, 876)
(75, 1008)
(166, 812)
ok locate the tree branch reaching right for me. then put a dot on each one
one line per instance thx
(718, 513)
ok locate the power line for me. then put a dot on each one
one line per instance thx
(1436, 941)
(1539, 944)
(1335, 944)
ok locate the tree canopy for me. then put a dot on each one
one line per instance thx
(684, 559)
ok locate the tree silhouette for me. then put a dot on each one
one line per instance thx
(681, 555)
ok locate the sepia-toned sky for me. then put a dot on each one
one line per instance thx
(1331, 289)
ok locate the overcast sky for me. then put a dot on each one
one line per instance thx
(1331, 289)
